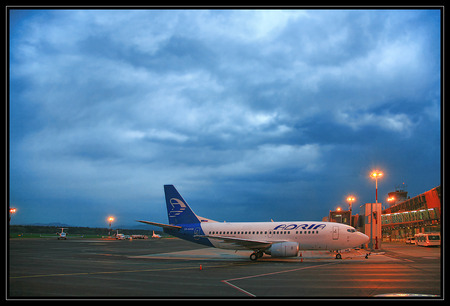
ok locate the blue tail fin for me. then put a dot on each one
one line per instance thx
(178, 210)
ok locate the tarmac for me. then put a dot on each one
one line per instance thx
(173, 269)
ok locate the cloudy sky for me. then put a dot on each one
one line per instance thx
(252, 114)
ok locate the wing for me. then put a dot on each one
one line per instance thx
(246, 243)
(161, 224)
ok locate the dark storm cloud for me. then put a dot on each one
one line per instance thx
(250, 113)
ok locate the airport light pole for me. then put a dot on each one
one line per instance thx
(110, 219)
(12, 211)
(375, 174)
(390, 199)
(350, 201)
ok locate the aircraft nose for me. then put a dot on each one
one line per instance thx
(363, 238)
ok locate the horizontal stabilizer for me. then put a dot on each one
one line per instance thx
(160, 224)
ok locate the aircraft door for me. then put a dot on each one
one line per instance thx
(335, 232)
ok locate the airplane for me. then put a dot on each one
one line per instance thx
(122, 236)
(155, 235)
(62, 235)
(277, 239)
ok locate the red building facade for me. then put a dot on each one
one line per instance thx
(421, 214)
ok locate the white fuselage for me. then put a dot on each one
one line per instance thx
(310, 235)
(277, 239)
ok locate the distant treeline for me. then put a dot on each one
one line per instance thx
(35, 229)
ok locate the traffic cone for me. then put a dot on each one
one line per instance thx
(201, 267)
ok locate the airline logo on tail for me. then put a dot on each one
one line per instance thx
(177, 207)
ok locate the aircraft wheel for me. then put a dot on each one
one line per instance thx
(253, 257)
(338, 256)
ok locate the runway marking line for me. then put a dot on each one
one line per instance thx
(227, 281)
(196, 267)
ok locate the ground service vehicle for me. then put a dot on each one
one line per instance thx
(430, 239)
(410, 240)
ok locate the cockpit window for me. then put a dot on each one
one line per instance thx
(351, 230)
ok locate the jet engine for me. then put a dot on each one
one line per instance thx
(283, 249)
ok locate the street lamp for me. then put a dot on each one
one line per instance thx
(376, 174)
(390, 199)
(350, 200)
(12, 211)
(110, 219)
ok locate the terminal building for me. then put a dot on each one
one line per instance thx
(404, 217)
(409, 216)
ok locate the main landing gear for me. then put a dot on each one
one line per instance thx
(254, 256)
(338, 254)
